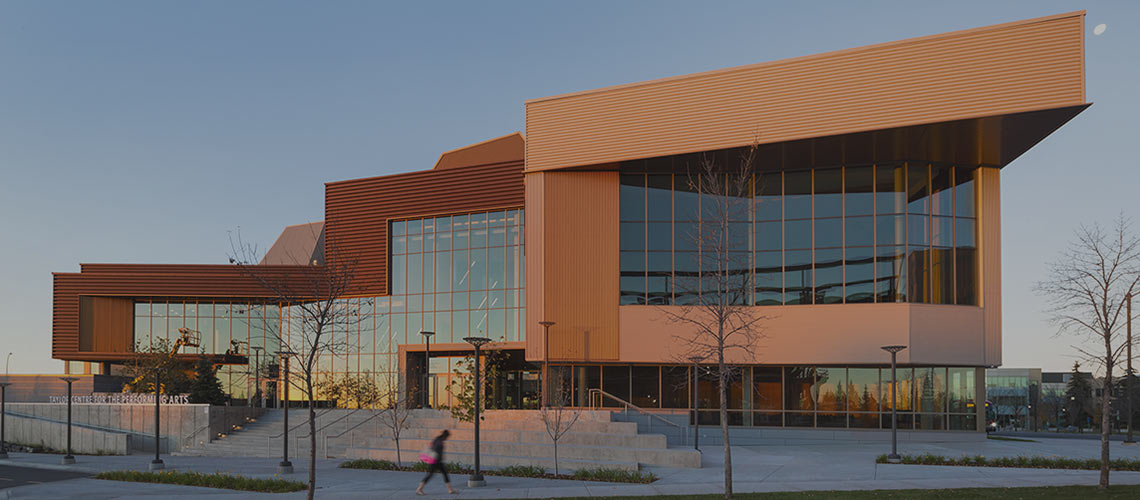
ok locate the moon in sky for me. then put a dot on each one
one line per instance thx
(1100, 29)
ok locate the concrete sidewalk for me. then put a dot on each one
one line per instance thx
(824, 466)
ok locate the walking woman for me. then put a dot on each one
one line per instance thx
(434, 458)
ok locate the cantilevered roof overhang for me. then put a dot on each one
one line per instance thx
(1003, 87)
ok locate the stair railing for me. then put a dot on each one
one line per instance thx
(304, 421)
(597, 396)
(352, 437)
(322, 427)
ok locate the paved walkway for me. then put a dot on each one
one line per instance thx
(827, 466)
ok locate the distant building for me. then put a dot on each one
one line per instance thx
(1012, 394)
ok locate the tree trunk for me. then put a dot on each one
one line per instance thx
(723, 383)
(1105, 428)
(399, 462)
(312, 443)
(555, 457)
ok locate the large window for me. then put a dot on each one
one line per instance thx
(891, 232)
(460, 276)
(928, 398)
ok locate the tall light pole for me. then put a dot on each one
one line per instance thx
(6, 360)
(285, 467)
(427, 363)
(257, 375)
(696, 404)
(476, 479)
(894, 457)
(3, 412)
(545, 359)
(157, 464)
(1129, 441)
(68, 459)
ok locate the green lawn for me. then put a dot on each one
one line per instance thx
(1039, 493)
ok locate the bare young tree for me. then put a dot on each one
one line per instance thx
(716, 307)
(557, 418)
(351, 391)
(398, 409)
(1086, 289)
(316, 316)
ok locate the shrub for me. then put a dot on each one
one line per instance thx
(614, 475)
(523, 471)
(1123, 464)
(217, 480)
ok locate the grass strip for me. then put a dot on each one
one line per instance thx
(1121, 464)
(600, 474)
(216, 480)
(1007, 438)
(1036, 493)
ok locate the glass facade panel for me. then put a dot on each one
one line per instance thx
(645, 386)
(896, 230)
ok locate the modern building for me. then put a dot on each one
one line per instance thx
(872, 218)
(1015, 396)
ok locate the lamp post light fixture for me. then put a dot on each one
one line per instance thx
(894, 457)
(427, 363)
(696, 404)
(545, 360)
(6, 361)
(68, 459)
(285, 467)
(3, 412)
(157, 464)
(1129, 441)
(476, 479)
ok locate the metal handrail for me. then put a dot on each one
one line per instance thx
(596, 396)
(269, 440)
(346, 431)
(323, 427)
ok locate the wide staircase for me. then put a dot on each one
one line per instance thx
(507, 437)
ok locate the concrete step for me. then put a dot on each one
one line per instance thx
(572, 437)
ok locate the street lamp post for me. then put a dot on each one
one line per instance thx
(427, 363)
(894, 457)
(3, 412)
(1128, 386)
(545, 360)
(257, 375)
(476, 479)
(6, 360)
(696, 404)
(157, 464)
(68, 459)
(285, 467)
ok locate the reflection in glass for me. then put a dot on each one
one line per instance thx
(918, 188)
(859, 263)
(828, 192)
(829, 276)
(859, 198)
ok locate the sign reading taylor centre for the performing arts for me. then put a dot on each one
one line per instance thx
(119, 398)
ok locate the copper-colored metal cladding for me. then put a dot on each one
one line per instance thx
(1020, 66)
(576, 234)
(505, 149)
(357, 212)
(989, 246)
(103, 282)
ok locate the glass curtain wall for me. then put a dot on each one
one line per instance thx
(894, 232)
(458, 275)
(928, 398)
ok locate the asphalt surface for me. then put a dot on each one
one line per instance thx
(11, 477)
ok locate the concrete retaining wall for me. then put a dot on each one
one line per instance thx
(52, 434)
(180, 425)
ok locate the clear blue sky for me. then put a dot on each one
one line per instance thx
(144, 131)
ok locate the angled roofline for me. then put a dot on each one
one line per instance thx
(949, 34)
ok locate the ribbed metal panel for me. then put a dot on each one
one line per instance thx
(989, 230)
(1015, 67)
(579, 267)
(141, 280)
(357, 211)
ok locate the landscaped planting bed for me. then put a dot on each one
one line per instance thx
(217, 480)
(599, 474)
(1125, 464)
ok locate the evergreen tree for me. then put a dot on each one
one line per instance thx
(206, 388)
(1078, 397)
